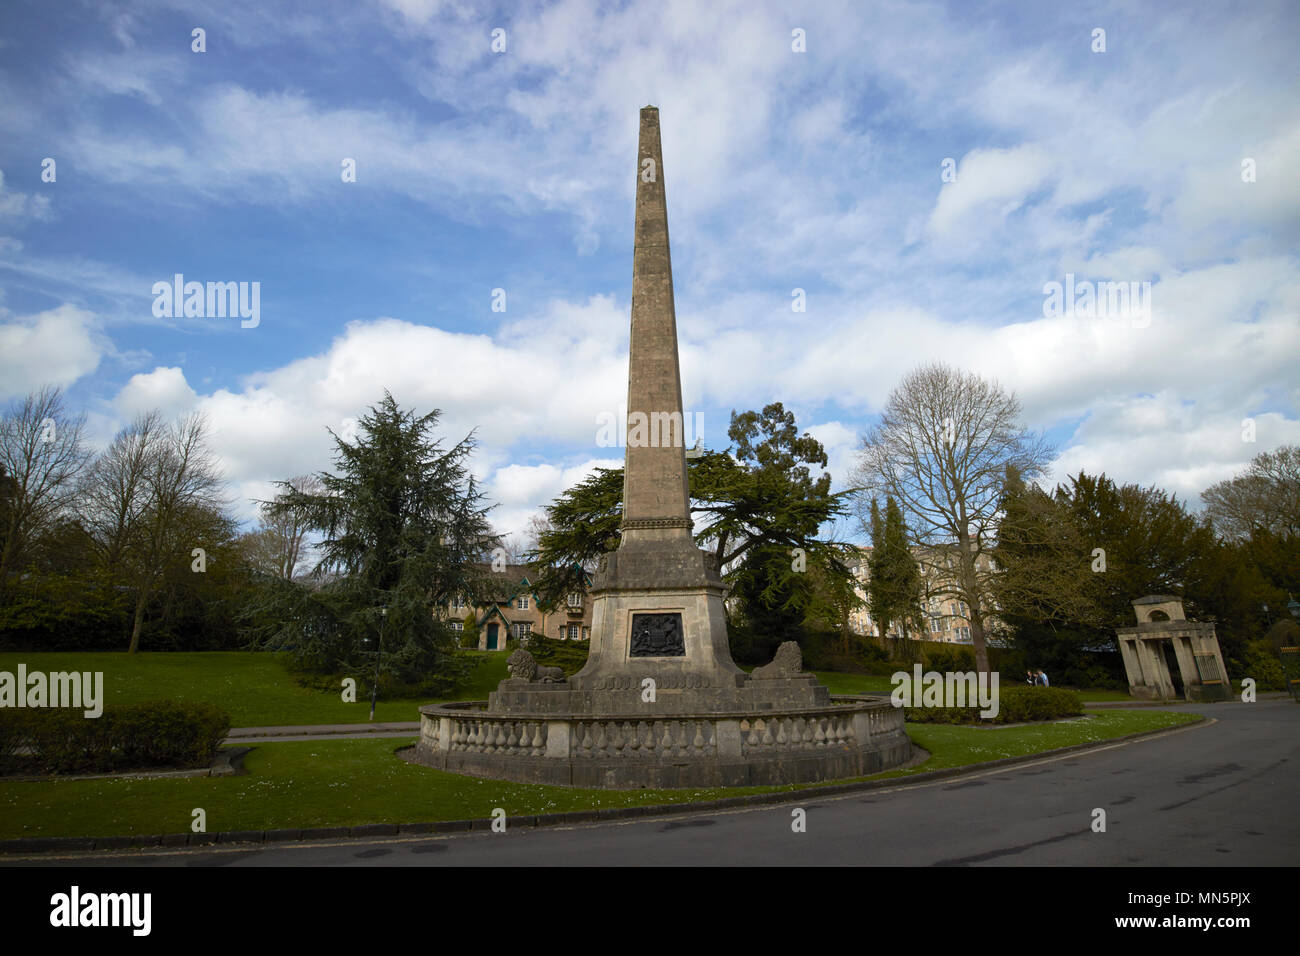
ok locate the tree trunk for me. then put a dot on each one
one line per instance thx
(139, 620)
(977, 639)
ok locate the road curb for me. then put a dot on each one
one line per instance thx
(26, 845)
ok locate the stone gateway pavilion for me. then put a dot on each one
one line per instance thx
(660, 702)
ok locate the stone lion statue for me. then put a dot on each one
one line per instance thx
(523, 666)
(787, 662)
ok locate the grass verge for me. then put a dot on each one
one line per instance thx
(256, 688)
(351, 782)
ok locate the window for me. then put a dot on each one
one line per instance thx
(575, 599)
(586, 633)
(458, 602)
(522, 603)
(458, 625)
(575, 632)
(523, 631)
(934, 626)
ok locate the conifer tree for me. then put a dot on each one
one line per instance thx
(403, 526)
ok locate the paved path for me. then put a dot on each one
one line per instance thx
(253, 735)
(1216, 794)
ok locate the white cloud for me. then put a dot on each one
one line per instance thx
(275, 426)
(56, 347)
(991, 184)
(164, 389)
(23, 207)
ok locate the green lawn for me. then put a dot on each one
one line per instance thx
(349, 782)
(838, 683)
(256, 688)
(954, 746)
(1103, 695)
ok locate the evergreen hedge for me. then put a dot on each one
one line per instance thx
(1016, 705)
(170, 734)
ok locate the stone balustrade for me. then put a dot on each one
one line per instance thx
(465, 737)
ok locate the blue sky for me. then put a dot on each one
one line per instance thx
(820, 170)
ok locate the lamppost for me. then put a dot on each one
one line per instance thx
(374, 685)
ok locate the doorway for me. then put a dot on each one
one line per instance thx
(1171, 664)
(492, 637)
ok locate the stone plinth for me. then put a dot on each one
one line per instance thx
(854, 736)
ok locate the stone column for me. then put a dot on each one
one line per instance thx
(1186, 662)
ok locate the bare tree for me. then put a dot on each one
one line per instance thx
(115, 493)
(941, 448)
(138, 494)
(515, 548)
(42, 458)
(1266, 495)
(278, 545)
(538, 525)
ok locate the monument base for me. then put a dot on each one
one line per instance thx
(851, 737)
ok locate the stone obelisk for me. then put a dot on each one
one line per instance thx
(658, 609)
(660, 703)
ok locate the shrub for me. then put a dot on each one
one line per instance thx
(1016, 705)
(1093, 675)
(1265, 665)
(949, 658)
(825, 651)
(168, 733)
(15, 731)
(570, 656)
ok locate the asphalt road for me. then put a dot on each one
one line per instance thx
(1222, 794)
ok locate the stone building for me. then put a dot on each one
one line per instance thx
(515, 611)
(1168, 657)
(945, 617)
